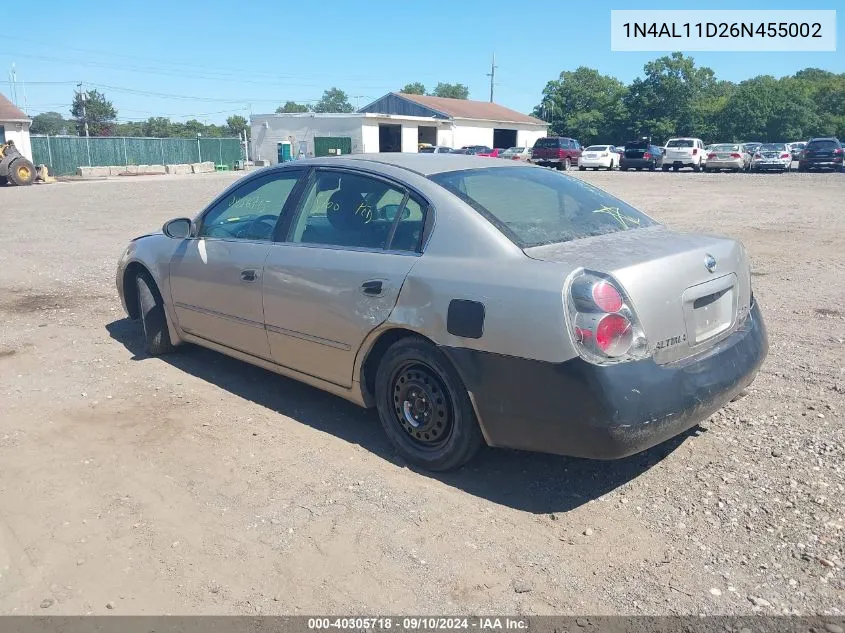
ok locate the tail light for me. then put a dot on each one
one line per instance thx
(694, 151)
(602, 321)
(786, 155)
(709, 156)
(838, 151)
(515, 157)
(560, 153)
(737, 155)
(757, 155)
(646, 156)
(603, 154)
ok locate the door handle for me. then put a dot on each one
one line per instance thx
(248, 275)
(372, 288)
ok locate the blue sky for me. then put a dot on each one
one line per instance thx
(211, 59)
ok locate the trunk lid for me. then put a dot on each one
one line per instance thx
(683, 307)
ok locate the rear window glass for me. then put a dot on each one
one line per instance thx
(549, 142)
(680, 142)
(821, 145)
(725, 148)
(533, 206)
(773, 147)
(596, 148)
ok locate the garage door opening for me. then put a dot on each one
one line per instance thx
(504, 139)
(427, 134)
(389, 138)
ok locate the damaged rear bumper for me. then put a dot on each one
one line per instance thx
(606, 412)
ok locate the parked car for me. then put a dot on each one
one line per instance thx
(459, 151)
(772, 156)
(641, 155)
(492, 153)
(516, 153)
(796, 148)
(824, 153)
(728, 156)
(627, 335)
(683, 152)
(435, 149)
(556, 151)
(752, 147)
(477, 149)
(599, 157)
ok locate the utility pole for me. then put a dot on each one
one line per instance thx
(492, 75)
(84, 112)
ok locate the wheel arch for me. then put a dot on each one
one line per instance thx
(375, 351)
(130, 296)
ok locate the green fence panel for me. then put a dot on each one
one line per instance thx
(64, 154)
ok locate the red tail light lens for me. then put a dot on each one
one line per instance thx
(838, 150)
(560, 153)
(709, 156)
(613, 334)
(757, 155)
(736, 155)
(694, 151)
(786, 155)
(606, 296)
(646, 156)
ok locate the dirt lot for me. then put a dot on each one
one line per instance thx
(198, 484)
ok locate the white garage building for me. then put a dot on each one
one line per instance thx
(397, 122)
(14, 126)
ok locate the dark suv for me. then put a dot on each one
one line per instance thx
(641, 155)
(556, 151)
(822, 153)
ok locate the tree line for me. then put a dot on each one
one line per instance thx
(675, 97)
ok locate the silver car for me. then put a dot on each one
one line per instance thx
(728, 156)
(772, 156)
(469, 301)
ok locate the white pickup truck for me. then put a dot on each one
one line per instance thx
(683, 152)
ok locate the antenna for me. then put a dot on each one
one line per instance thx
(492, 75)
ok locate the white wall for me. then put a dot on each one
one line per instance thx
(303, 127)
(466, 133)
(444, 137)
(410, 138)
(369, 136)
(19, 137)
(527, 138)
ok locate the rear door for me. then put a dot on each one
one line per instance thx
(337, 275)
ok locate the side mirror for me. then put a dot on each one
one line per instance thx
(178, 229)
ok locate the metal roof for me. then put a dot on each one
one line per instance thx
(10, 112)
(440, 107)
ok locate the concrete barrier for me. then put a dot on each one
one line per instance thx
(155, 169)
(202, 168)
(178, 169)
(92, 172)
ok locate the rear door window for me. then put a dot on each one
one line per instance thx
(827, 144)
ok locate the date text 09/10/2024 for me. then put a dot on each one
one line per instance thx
(723, 29)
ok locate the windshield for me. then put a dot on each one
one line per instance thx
(596, 148)
(680, 142)
(533, 206)
(772, 147)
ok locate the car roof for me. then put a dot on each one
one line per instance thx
(423, 164)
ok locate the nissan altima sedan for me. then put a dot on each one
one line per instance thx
(468, 301)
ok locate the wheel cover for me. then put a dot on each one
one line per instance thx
(23, 172)
(421, 405)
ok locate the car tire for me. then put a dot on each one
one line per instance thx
(152, 316)
(664, 167)
(676, 168)
(623, 168)
(802, 167)
(21, 172)
(696, 167)
(582, 168)
(418, 392)
(610, 167)
(567, 164)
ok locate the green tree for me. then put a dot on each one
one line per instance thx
(237, 125)
(93, 107)
(667, 101)
(129, 128)
(586, 105)
(334, 100)
(51, 123)
(452, 91)
(292, 106)
(158, 127)
(415, 88)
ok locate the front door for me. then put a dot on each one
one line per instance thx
(216, 277)
(338, 276)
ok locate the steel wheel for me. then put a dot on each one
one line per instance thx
(421, 405)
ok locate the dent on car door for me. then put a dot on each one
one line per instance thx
(349, 247)
(216, 275)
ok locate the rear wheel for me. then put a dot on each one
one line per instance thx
(676, 167)
(152, 316)
(582, 168)
(623, 168)
(21, 172)
(665, 167)
(696, 167)
(424, 407)
(610, 167)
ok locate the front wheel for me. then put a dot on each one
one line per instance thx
(424, 407)
(21, 172)
(152, 316)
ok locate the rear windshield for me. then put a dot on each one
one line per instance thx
(725, 148)
(534, 206)
(829, 144)
(680, 142)
(547, 142)
(772, 147)
(596, 148)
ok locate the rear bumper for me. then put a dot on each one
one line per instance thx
(638, 163)
(776, 166)
(595, 162)
(827, 162)
(606, 412)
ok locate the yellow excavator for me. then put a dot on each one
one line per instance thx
(14, 167)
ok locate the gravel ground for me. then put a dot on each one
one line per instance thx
(198, 484)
